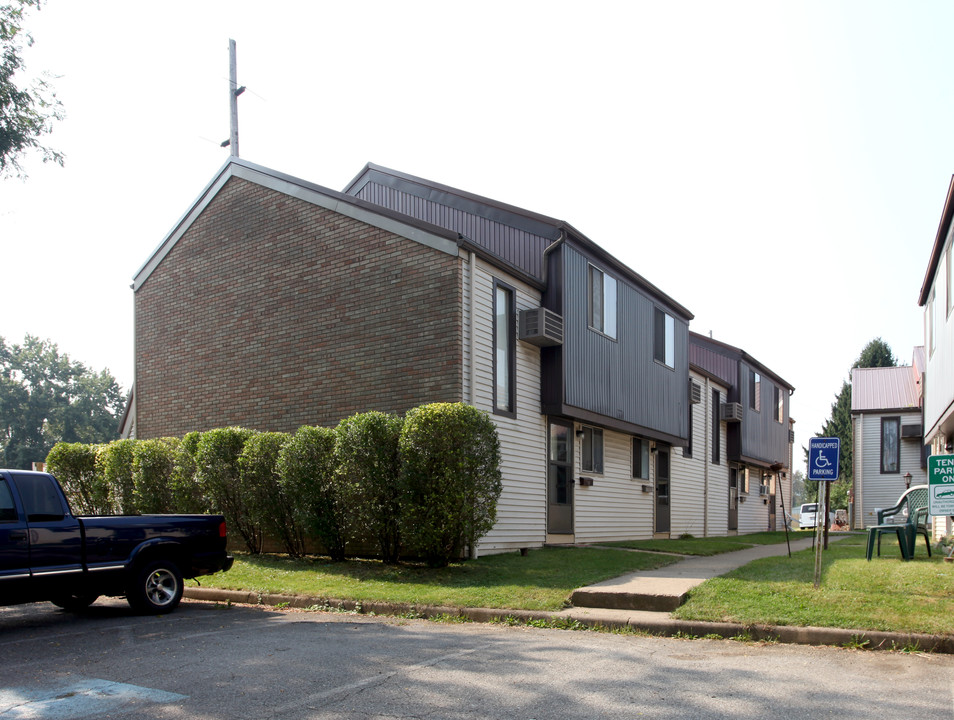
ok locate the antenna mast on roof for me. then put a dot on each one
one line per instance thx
(234, 92)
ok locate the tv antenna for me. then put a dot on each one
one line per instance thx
(234, 92)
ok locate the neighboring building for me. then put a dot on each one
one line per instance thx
(751, 481)
(937, 299)
(886, 427)
(276, 303)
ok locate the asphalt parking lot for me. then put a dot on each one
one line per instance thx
(212, 661)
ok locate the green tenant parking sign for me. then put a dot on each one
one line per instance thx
(941, 485)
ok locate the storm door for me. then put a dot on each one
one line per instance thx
(662, 489)
(733, 499)
(560, 479)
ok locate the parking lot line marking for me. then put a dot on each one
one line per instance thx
(82, 698)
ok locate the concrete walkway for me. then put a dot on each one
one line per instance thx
(664, 589)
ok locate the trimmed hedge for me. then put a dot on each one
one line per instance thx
(429, 483)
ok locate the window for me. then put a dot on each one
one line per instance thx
(40, 497)
(8, 511)
(602, 301)
(641, 458)
(687, 451)
(716, 428)
(664, 338)
(504, 350)
(755, 391)
(592, 450)
(779, 403)
(890, 446)
(743, 480)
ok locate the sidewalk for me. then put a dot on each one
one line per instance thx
(664, 589)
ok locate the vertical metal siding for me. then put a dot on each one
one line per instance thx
(619, 378)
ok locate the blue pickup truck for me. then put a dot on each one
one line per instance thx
(47, 553)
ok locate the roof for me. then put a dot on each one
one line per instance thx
(942, 229)
(481, 220)
(722, 360)
(885, 388)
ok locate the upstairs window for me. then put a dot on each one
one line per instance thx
(755, 391)
(664, 338)
(779, 403)
(504, 350)
(592, 453)
(601, 301)
(890, 445)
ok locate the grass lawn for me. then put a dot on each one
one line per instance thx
(707, 546)
(542, 580)
(884, 594)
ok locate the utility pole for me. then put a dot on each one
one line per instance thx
(234, 92)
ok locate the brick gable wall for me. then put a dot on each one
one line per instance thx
(272, 313)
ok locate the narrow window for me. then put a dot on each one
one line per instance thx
(755, 391)
(592, 450)
(601, 299)
(687, 451)
(890, 447)
(716, 428)
(779, 403)
(504, 350)
(744, 480)
(641, 458)
(664, 340)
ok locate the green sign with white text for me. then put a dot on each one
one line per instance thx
(941, 485)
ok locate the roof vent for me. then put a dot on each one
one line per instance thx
(541, 327)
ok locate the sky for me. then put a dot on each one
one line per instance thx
(778, 168)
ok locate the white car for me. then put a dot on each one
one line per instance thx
(808, 515)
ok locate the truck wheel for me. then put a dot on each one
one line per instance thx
(74, 603)
(156, 588)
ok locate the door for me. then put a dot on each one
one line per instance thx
(560, 479)
(14, 548)
(733, 499)
(662, 489)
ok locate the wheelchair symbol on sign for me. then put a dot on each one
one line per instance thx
(822, 460)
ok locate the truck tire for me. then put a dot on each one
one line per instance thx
(74, 603)
(155, 588)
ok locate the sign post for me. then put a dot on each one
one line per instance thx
(824, 460)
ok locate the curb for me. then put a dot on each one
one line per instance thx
(611, 619)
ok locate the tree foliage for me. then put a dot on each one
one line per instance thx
(46, 398)
(26, 113)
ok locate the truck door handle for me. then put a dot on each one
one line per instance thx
(14, 535)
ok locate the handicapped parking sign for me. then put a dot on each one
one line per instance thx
(941, 485)
(824, 455)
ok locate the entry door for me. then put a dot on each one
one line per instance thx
(733, 499)
(662, 489)
(560, 479)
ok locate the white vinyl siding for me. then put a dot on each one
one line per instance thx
(939, 395)
(874, 489)
(687, 504)
(614, 507)
(521, 510)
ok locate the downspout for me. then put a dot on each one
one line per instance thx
(546, 256)
(705, 462)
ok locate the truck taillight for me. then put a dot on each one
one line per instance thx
(222, 529)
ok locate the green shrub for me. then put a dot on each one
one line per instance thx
(74, 465)
(219, 477)
(450, 480)
(307, 468)
(368, 462)
(114, 461)
(153, 470)
(187, 495)
(271, 507)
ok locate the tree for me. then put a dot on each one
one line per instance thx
(877, 353)
(46, 398)
(26, 114)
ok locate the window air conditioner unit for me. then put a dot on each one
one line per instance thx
(912, 432)
(695, 392)
(541, 327)
(791, 436)
(763, 490)
(731, 412)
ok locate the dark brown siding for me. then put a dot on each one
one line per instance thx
(272, 313)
